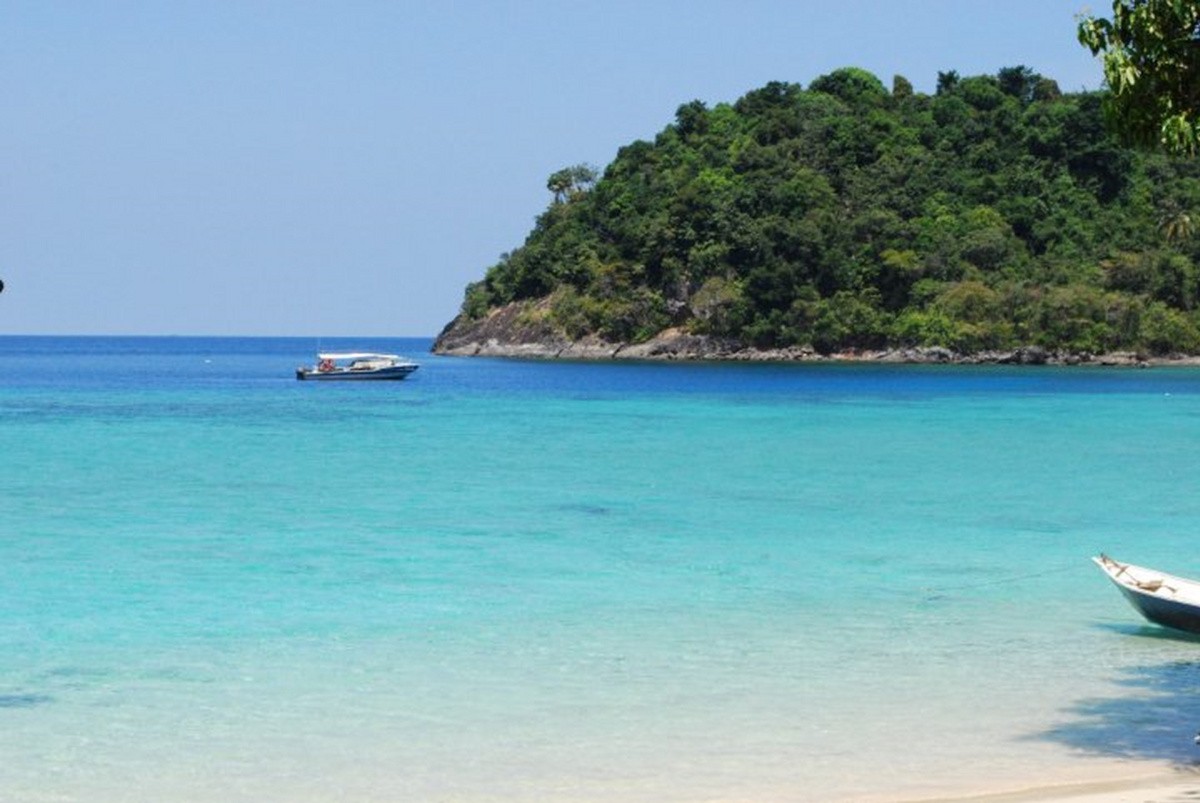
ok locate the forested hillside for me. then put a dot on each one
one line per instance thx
(997, 213)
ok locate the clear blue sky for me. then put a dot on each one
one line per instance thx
(346, 168)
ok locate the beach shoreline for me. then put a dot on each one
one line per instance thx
(1160, 786)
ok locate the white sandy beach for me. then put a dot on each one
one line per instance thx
(1162, 791)
(1173, 787)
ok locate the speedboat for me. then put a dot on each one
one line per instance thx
(357, 365)
(1162, 598)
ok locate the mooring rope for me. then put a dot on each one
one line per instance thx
(1003, 580)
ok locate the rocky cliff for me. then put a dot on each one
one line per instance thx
(524, 330)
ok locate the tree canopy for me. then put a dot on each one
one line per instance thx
(999, 212)
(1151, 54)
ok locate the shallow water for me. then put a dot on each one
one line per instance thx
(505, 580)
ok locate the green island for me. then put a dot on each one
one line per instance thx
(996, 220)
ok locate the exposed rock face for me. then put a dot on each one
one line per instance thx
(504, 332)
(525, 330)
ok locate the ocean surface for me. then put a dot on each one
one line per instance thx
(525, 581)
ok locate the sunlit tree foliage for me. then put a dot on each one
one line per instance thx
(1151, 55)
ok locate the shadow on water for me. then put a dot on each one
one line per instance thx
(24, 700)
(1154, 716)
(1151, 633)
(586, 509)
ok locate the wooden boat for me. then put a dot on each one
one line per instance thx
(357, 365)
(1162, 598)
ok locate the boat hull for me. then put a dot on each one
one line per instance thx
(342, 374)
(1163, 599)
(1165, 612)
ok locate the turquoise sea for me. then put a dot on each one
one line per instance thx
(525, 581)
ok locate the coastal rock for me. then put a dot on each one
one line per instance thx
(1127, 358)
(675, 344)
(1031, 355)
(526, 330)
(514, 330)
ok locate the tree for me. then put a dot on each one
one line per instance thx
(946, 81)
(570, 181)
(1020, 82)
(1176, 225)
(691, 118)
(851, 84)
(1151, 54)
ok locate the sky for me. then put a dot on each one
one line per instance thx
(345, 168)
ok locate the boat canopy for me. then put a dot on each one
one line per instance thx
(355, 355)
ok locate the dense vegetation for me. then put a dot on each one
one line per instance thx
(995, 214)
